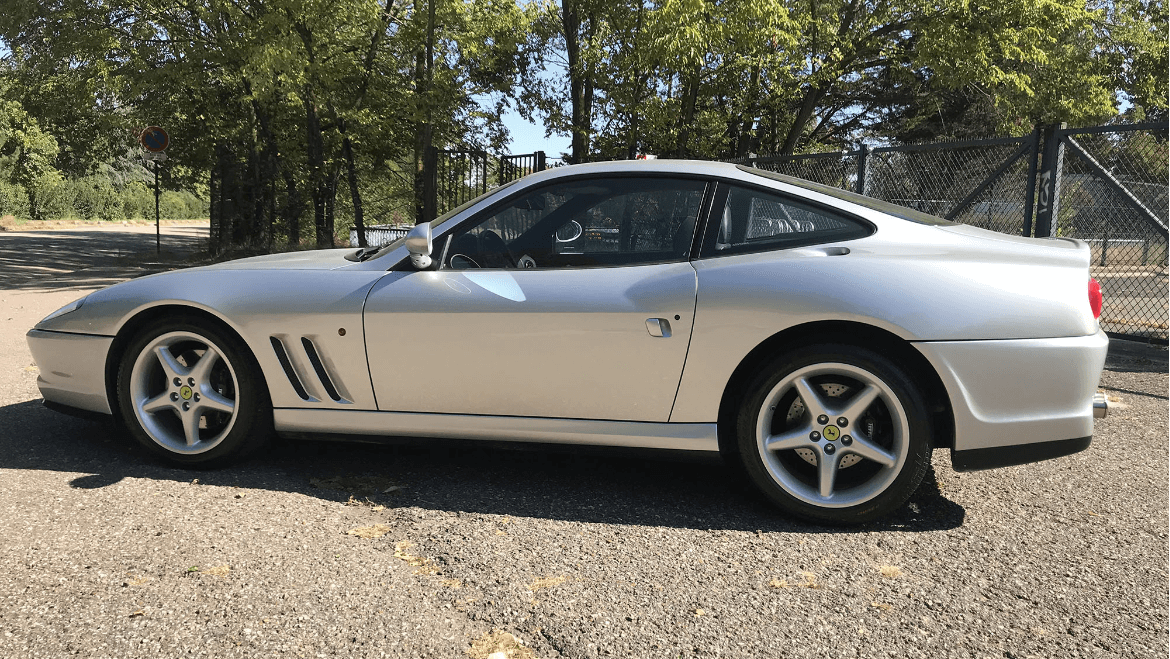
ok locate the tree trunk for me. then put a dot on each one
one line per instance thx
(292, 209)
(213, 184)
(808, 105)
(315, 152)
(687, 116)
(747, 124)
(359, 223)
(580, 82)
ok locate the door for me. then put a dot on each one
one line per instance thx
(573, 301)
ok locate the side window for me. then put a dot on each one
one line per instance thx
(753, 220)
(584, 222)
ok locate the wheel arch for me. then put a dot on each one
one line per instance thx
(133, 325)
(844, 332)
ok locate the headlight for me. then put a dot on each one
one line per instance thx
(69, 308)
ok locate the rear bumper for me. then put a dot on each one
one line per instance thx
(72, 368)
(1008, 456)
(1019, 392)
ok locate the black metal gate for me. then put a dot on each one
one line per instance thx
(1108, 186)
(456, 176)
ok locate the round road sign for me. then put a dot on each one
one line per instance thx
(154, 139)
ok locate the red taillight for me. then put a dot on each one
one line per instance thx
(1096, 299)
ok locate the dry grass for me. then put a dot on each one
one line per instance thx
(452, 583)
(499, 645)
(137, 581)
(890, 571)
(547, 583)
(810, 581)
(422, 563)
(370, 532)
(372, 505)
(217, 571)
(882, 605)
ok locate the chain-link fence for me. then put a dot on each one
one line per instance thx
(1106, 185)
(836, 169)
(1113, 195)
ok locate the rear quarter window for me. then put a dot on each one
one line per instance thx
(902, 212)
(753, 220)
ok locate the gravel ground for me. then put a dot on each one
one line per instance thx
(577, 554)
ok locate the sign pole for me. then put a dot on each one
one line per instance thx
(155, 140)
(157, 225)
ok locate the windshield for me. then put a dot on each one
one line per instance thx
(854, 198)
(446, 216)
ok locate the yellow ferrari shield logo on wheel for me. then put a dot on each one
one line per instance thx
(185, 392)
(832, 433)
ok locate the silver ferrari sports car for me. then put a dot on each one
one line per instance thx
(823, 342)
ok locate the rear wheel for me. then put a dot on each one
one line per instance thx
(835, 434)
(192, 394)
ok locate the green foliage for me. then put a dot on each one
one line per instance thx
(271, 104)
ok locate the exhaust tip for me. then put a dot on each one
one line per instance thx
(1100, 406)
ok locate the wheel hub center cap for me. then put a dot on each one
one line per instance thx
(831, 433)
(185, 392)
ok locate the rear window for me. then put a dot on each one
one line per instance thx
(852, 197)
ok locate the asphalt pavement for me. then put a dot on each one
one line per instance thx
(454, 549)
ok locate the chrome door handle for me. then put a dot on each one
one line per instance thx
(659, 327)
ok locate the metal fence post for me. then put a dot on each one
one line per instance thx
(539, 162)
(862, 167)
(1051, 169)
(1030, 184)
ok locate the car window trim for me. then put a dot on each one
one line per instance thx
(724, 185)
(707, 181)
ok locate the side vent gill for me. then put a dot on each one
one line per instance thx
(289, 372)
(315, 360)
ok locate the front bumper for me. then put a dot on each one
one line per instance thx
(72, 368)
(1013, 393)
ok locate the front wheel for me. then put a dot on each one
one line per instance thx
(835, 434)
(192, 394)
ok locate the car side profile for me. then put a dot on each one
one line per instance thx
(824, 342)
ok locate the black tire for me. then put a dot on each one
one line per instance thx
(237, 378)
(782, 475)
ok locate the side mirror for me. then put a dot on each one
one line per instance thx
(418, 243)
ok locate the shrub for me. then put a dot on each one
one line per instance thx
(13, 200)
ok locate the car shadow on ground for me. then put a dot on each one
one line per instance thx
(594, 486)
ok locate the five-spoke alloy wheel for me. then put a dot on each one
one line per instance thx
(834, 433)
(191, 394)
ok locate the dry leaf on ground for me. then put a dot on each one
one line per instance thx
(218, 570)
(497, 643)
(547, 583)
(422, 563)
(370, 532)
(890, 571)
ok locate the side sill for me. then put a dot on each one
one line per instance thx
(634, 434)
(1010, 456)
(78, 412)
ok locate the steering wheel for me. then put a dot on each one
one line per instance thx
(491, 244)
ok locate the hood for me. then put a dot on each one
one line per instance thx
(319, 259)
